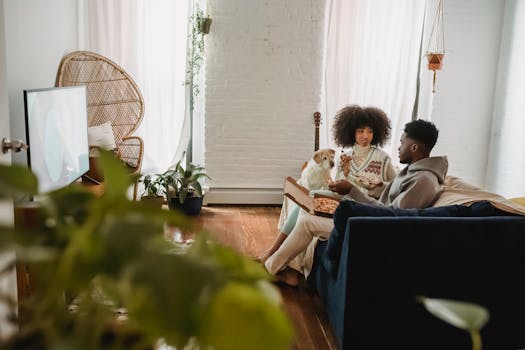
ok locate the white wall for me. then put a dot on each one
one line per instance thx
(506, 161)
(464, 99)
(7, 280)
(263, 85)
(38, 33)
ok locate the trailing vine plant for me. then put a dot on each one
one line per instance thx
(196, 56)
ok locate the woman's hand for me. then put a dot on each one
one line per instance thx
(345, 163)
(341, 186)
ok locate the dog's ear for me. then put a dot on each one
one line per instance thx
(331, 152)
(318, 156)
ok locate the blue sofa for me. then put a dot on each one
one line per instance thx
(378, 260)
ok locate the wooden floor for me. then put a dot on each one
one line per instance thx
(251, 230)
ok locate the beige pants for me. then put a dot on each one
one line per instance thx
(297, 249)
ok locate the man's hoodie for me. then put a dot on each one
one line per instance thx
(418, 185)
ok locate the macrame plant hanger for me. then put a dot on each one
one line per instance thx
(436, 44)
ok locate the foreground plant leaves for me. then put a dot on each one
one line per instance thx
(463, 315)
(467, 316)
(242, 302)
(16, 181)
(104, 253)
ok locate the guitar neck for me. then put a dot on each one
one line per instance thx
(317, 122)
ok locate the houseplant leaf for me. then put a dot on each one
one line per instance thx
(238, 301)
(467, 316)
(17, 181)
(116, 177)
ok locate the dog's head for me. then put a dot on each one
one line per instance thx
(324, 157)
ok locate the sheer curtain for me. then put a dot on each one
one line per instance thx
(148, 39)
(506, 163)
(372, 54)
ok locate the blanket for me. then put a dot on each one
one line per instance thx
(457, 191)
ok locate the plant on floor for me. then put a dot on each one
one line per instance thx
(185, 182)
(184, 191)
(155, 187)
(109, 253)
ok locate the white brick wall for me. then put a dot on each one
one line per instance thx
(263, 83)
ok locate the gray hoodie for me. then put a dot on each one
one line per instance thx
(417, 186)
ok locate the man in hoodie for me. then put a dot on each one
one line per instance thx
(416, 186)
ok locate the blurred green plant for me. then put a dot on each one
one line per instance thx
(467, 316)
(109, 255)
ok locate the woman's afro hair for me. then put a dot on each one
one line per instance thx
(350, 118)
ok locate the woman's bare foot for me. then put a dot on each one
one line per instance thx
(289, 276)
(276, 244)
(262, 259)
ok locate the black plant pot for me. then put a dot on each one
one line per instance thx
(204, 24)
(191, 206)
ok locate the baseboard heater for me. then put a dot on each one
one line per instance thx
(263, 196)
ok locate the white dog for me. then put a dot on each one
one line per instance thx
(316, 173)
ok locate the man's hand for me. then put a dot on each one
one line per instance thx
(341, 186)
(345, 163)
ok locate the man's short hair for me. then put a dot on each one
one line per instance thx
(423, 132)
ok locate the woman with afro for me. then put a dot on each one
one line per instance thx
(367, 167)
(362, 130)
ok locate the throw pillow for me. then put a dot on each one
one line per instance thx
(101, 136)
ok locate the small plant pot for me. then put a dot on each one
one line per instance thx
(191, 206)
(204, 24)
(435, 60)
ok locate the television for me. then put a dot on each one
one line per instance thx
(56, 132)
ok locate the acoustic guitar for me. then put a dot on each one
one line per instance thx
(317, 122)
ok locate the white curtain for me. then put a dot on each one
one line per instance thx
(506, 162)
(148, 40)
(372, 54)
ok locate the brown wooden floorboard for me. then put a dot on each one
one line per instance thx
(251, 230)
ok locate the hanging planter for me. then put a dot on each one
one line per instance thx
(436, 44)
(435, 61)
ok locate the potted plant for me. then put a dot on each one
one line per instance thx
(203, 23)
(185, 191)
(154, 189)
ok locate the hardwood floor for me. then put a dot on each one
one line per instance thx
(251, 230)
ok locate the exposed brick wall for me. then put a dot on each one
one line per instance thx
(263, 83)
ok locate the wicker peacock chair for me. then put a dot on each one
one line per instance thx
(112, 96)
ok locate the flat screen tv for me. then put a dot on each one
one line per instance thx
(56, 132)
